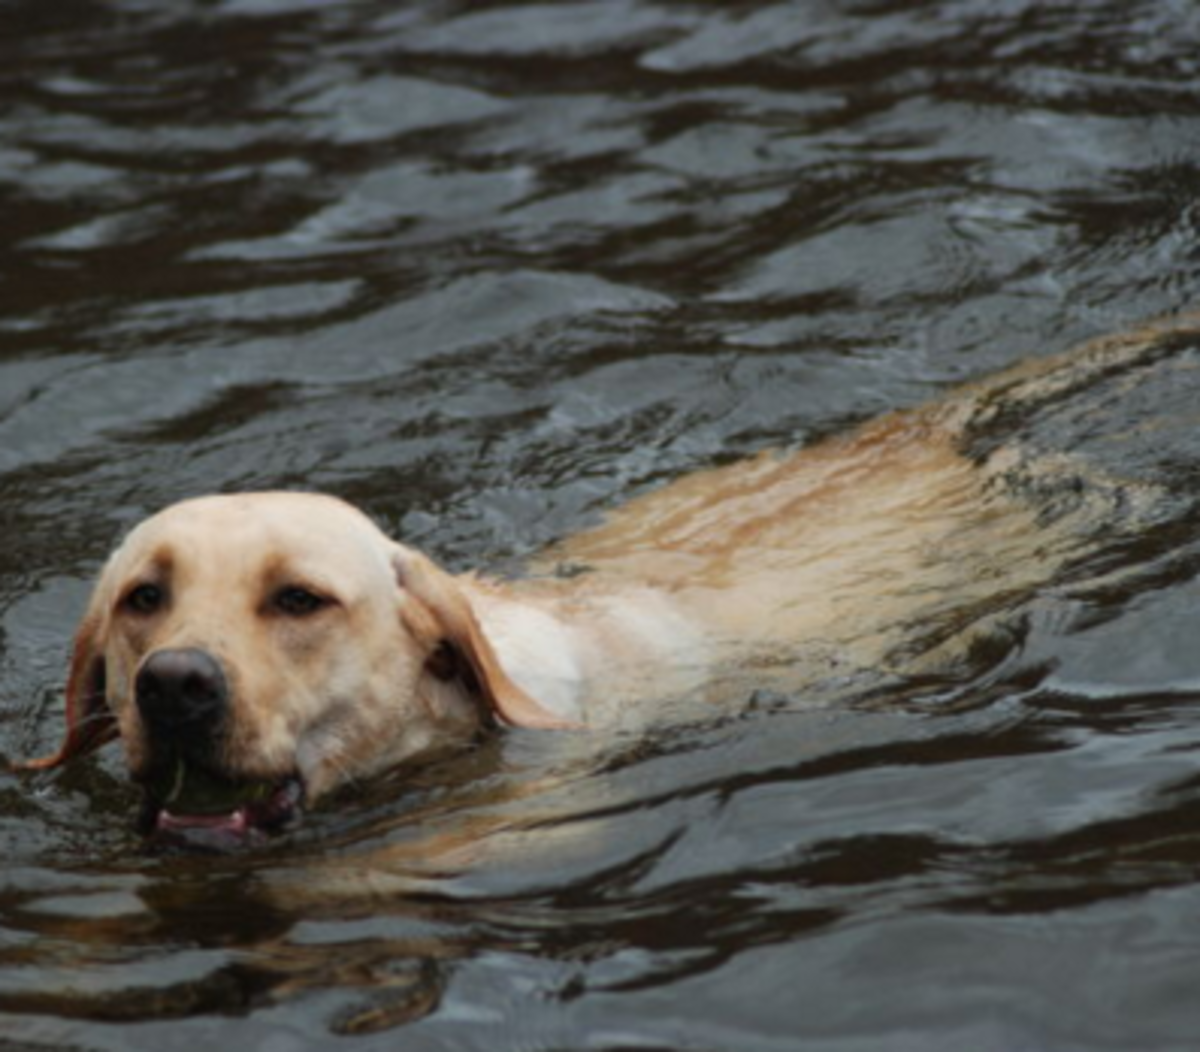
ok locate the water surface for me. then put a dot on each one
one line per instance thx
(487, 269)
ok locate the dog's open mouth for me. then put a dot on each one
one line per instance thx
(191, 802)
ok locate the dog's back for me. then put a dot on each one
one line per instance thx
(877, 550)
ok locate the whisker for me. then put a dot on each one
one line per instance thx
(93, 717)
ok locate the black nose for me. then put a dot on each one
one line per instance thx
(182, 695)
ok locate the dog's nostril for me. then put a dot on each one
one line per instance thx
(180, 690)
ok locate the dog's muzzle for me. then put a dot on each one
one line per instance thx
(190, 794)
(183, 698)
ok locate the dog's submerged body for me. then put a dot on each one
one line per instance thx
(250, 648)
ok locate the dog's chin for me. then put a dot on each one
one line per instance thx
(190, 803)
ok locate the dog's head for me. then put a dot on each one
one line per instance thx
(249, 650)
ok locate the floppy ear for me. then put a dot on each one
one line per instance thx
(90, 722)
(438, 613)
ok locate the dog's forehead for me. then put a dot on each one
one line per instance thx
(266, 529)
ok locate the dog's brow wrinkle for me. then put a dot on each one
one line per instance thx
(158, 564)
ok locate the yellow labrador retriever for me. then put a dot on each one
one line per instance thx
(254, 650)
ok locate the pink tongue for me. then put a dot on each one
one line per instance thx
(235, 823)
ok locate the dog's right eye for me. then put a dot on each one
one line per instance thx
(144, 599)
(295, 601)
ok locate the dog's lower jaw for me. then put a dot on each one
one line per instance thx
(269, 808)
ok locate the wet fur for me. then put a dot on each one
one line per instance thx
(872, 553)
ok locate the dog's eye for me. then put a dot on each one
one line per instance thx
(145, 599)
(295, 601)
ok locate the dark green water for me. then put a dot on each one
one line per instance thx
(486, 269)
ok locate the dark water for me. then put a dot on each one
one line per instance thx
(486, 269)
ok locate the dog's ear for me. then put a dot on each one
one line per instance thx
(90, 722)
(438, 613)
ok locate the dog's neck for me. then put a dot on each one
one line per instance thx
(581, 656)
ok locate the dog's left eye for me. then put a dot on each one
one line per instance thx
(295, 601)
(145, 599)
